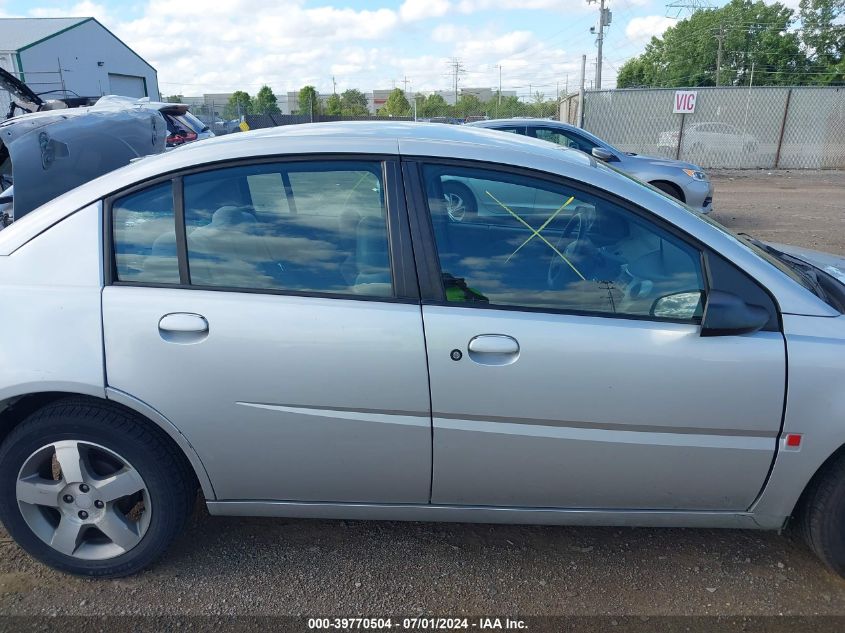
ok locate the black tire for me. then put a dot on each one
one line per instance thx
(669, 188)
(450, 187)
(822, 515)
(168, 477)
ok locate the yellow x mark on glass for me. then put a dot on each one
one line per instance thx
(536, 232)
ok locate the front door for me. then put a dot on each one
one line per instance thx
(566, 364)
(273, 329)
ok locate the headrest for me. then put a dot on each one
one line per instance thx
(231, 215)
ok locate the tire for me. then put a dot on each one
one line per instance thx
(109, 442)
(822, 515)
(468, 205)
(669, 188)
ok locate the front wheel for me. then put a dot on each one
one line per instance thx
(92, 490)
(822, 515)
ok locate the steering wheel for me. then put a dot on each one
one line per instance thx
(573, 229)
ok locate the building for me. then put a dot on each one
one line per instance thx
(210, 106)
(72, 57)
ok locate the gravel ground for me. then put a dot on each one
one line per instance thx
(263, 566)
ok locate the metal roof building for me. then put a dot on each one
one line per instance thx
(72, 57)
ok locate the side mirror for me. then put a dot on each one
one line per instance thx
(678, 305)
(726, 314)
(602, 154)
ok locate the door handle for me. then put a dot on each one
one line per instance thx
(183, 327)
(493, 349)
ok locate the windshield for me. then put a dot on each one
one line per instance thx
(196, 124)
(805, 274)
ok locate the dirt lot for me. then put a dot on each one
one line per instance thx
(805, 208)
(248, 566)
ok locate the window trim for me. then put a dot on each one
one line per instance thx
(400, 247)
(432, 289)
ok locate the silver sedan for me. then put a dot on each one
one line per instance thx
(300, 322)
(684, 181)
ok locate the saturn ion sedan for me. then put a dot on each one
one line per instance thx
(296, 322)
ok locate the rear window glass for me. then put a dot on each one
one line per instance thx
(145, 236)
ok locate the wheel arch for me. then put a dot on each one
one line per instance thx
(679, 192)
(15, 409)
(811, 482)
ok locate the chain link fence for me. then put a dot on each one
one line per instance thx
(732, 127)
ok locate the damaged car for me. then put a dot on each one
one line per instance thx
(52, 148)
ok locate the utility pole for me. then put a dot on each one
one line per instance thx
(405, 82)
(605, 17)
(457, 70)
(499, 102)
(334, 86)
(720, 37)
(581, 91)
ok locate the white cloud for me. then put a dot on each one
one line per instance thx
(242, 44)
(473, 6)
(412, 10)
(644, 28)
(449, 33)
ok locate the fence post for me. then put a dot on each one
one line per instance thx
(680, 137)
(782, 127)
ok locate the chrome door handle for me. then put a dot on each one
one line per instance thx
(183, 327)
(493, 349)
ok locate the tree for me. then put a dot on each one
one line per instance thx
(240, 103)
(173, 99)
(823, 34)
(354, 103)
(433, 105)
(333, 105)
(309, 101)
(265, 102)
(469, 105)
(754, 34)
(396, 105)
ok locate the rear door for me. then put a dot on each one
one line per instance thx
(269, 311)
(566, 363)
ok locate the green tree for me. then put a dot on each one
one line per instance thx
(754, 34)
(396, 105)
(469, 105)
(333, 105)
(240, 103)
(265, 102)
(354, 103)
(173, 99)
(511, 106)
(823, 34)
(433, 105)
(309, 101)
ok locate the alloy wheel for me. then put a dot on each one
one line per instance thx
(83, 500)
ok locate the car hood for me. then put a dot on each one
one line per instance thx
(657, 161)
(833, 265)
(53, 152)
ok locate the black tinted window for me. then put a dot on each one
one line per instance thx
(145, 236)
(509, 240)
(318, 227)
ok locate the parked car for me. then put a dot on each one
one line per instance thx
(711, 136)
(182, 126)
(684, 181)
(47, 153)
(292, 321)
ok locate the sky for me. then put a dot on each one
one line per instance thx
(201, 46)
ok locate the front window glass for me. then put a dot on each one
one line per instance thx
(309, 226)
(509, 240)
